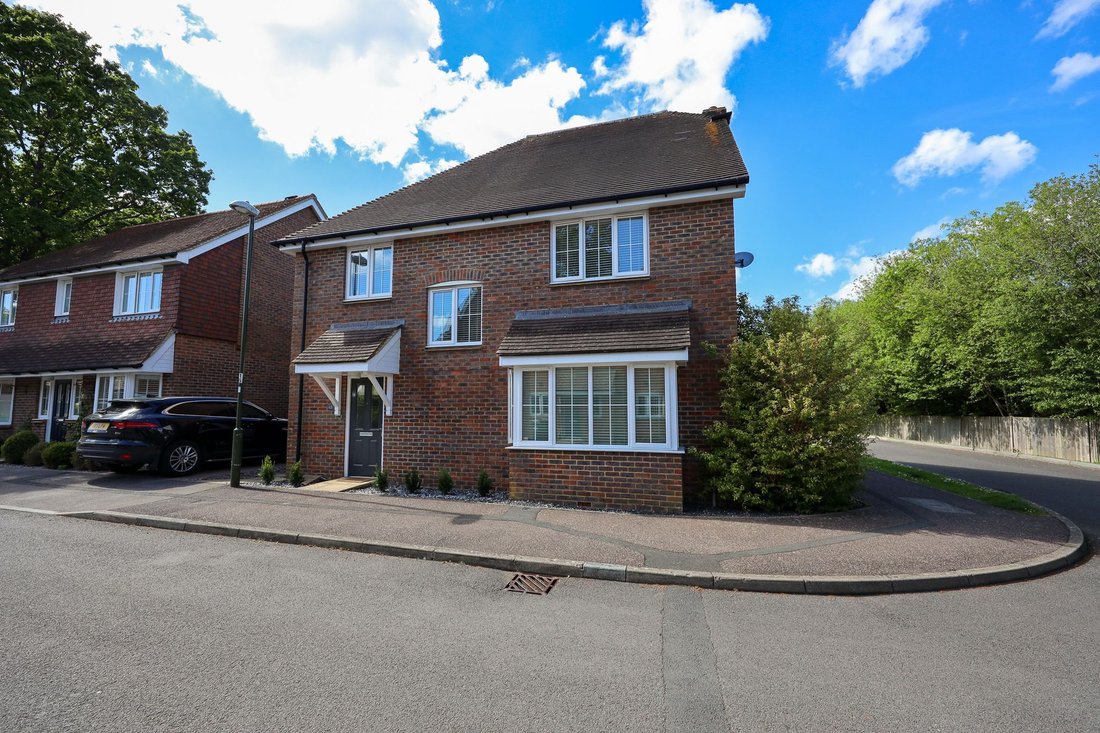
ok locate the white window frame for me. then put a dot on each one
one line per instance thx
(349, 278)
(63, 300)
(454, 287)
(120, 285)
(671, 444)
(129, 383)
(615, 274)
(4, 292)
(45, 392)
(10, 398)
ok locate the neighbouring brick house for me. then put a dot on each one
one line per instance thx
(539, 312)
(147, 311)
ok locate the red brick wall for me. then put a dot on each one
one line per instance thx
(648, 482)
(450, 405)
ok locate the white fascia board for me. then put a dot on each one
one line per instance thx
(622, 357)
(190, 254)
(135, 265)
(570, 212)
(336, 369)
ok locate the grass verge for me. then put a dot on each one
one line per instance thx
(954, 486)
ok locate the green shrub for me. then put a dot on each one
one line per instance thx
(33, 455)
(484, 484)
(267, 471)
(794, 416)
(445, 481)
(59, 455)
(17, 444)
(294, 475)
(412, 481)
(382, 479)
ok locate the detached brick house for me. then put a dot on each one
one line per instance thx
(538, 312)
(147, 311)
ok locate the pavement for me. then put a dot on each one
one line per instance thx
(906, 537)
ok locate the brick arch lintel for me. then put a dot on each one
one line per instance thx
(452, 275)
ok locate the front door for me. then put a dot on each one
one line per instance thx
(62, 397)
(364, 429)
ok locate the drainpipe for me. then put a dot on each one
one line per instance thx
(301, 348)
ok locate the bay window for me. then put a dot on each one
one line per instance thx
(370, 273)
(454, 315)
(113, 387)
(600, 248)
(599, 406)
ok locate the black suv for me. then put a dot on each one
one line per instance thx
(177, 434)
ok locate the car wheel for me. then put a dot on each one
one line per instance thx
(180, 459)
(124, 469)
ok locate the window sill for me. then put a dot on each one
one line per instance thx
(599, 280)
(124, 317)
(479, 344)
(600, 448)
(7, 329)
(367, 298)
(60, 319)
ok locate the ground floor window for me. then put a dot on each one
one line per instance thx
(113, 387)
(7, 401)
(623, 406)
(72, 395)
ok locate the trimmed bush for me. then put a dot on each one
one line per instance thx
(17, 444)
(59, 455)
(267, 471)
(33, 455)
(412, 481)
(382, 479)
(484, 484)
(445, 481)
(294, 475)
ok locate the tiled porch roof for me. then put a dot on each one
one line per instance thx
(600, 329)
(349, 342)
(86, 351)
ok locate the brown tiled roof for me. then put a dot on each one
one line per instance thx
(633, 327)
(142, 242)
(349, 342)
(631, 158)
(89, 351)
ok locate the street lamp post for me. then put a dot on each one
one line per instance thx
(251, 212)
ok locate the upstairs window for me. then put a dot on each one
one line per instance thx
(599, 249)
(9, 299)
(138, 292)
(454, 316)
(370, 273)
(64, 298)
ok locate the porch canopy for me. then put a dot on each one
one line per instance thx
(365, 349)
(86, 351)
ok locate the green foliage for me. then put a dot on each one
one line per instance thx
(267, 471)
(412, 481)
(81, 154)
(444, 481)
(997, 318)
(382, 479)
(294, 474)
(484, 484)
(33, 455)
(794, 415)
(17, 444)
(59, 455)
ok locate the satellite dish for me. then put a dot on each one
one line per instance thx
(743, 259)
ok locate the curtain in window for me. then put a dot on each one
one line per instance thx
(609, 406)
(535, 418)
(571, 405)
(469, 315)
(631, 245)
(567, 247)
(597, 248)
(649, 405)
(383, 271)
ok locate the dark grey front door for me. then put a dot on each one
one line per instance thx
(364, 429)
(62, 395)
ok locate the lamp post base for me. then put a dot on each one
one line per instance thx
(235, 461)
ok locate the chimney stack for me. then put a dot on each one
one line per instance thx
(717, 113)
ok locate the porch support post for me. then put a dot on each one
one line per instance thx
(386, 394)
(334, 399)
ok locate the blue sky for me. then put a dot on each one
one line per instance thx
(862, 123)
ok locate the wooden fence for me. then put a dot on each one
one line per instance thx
(1070, 440)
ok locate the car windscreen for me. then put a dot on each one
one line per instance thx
(120, 408)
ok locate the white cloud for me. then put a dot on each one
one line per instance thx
(890, 34)
(149, 69)
(862, 272)
(932, 231)
(680, 57)
(1066, 14)
(365, 73)
(1069, 69)
(418, 169)
(949, 152)
(822, 265)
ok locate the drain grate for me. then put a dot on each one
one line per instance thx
(538, 585)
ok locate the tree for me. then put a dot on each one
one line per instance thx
(80, 153)
(794, 414)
